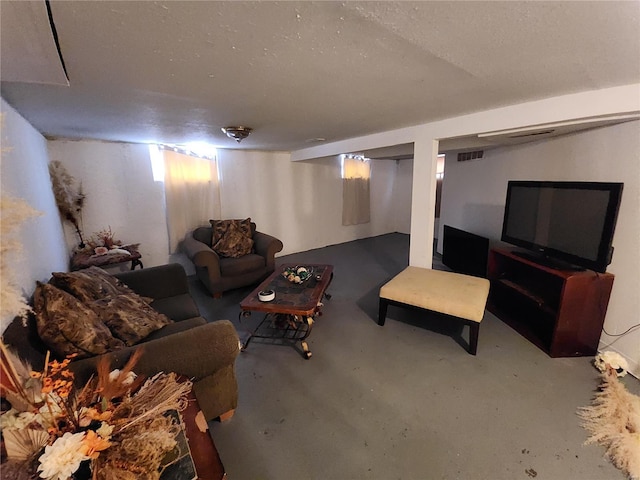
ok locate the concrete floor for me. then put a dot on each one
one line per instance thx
(403, 401)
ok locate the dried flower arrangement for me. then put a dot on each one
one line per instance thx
(613, 421)
(115, 427)
(13, 212)
(104, 242)
(104, 238)
(297, 274)
(69, 198)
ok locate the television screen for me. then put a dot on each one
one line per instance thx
(569, 221)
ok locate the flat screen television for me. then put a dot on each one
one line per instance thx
(563, 224)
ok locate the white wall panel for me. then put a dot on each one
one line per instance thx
(474, 194)
(121, 194)
(25, 175)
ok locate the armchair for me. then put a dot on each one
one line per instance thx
(219, 274)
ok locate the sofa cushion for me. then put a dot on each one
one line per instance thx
(231, 267)
(129, 317)
(177, 307)
(89, 284)
(176, 327)
(234, 243)
(69, 327)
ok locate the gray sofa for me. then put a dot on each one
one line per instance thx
(202, 351)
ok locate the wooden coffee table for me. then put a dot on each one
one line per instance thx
(290, 315)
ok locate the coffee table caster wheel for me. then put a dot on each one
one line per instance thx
(243, 346)
(305, 350)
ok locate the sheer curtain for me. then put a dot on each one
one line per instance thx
(192, 194)
(355, 191)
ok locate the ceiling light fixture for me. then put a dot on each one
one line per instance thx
(237, 133)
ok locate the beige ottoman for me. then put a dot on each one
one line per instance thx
(460, 296)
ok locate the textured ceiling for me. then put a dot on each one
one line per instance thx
(175, 72)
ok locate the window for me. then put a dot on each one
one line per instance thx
(440, 166)
(198, 149)
(439, 181)
(192, 190)
(356, 174)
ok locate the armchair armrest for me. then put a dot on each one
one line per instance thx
(202, 256)
(157, 282)
(267, 247)
(195, 353)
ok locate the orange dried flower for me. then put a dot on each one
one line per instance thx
(47, 385)
(94, 414)
(93, 444)
(64, 392)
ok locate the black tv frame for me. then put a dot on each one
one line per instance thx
(559, 259)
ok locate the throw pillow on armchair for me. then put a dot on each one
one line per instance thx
(234, 243)
(220, 227)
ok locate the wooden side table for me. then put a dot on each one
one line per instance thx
(85, 260)
(203, 450)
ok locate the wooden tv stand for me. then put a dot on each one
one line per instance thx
(560, 311)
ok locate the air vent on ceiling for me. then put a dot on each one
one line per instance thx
(464, 156)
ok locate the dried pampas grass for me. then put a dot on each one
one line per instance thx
(69, 198)
(613, 420)
(140, 453)
(13, 212)
(158, 395)
(143, 432)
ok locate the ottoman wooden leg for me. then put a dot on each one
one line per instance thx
(474, 330)
(382, 311)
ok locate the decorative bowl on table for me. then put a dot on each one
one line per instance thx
(297, 274)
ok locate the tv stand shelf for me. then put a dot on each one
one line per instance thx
(535, 298)
(560, 311)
